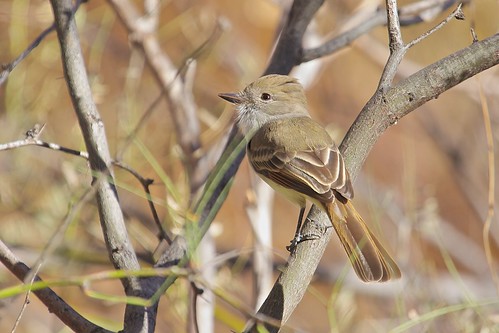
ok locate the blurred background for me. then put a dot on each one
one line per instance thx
(424, 188)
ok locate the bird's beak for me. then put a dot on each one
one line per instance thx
(231, 98)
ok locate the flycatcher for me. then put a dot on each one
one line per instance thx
(297, 157)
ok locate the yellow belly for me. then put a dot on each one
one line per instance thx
(293, 196)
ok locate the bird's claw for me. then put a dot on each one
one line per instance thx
(300, 238)
(294, 242)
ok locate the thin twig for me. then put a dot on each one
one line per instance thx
(457, 14)
(56, 238)
(408, 15)
(345, 38)
(424, 10)
(216, 33)
(181, 104)
(8, 68)
(33, 273)
(397, 47)
(491, 194)
(52, 301)
(142, 121)
(32, 139)
(146, 182)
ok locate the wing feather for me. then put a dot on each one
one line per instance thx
(315, 169)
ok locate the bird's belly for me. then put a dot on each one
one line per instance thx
(292, 195)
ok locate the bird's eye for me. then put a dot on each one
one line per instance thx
(265, 97)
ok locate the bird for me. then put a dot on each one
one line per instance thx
(297, 157)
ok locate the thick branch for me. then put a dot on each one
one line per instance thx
(382, 111)
(345, 38)
(409, 15)
(52, 301)
(300, 15)
(119, 247)
(288, 51)
(92, 128)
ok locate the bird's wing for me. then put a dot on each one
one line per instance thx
(316, 170)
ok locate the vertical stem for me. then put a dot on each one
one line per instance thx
(120, 250)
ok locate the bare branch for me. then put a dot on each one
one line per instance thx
(179, 98)
(397, 47)
(424, 10)
(457, 14)
(409, 15)
(394, 33)
(289, 49)
(386, 109)
(32, 139)
(121, 252)
(52, 301)
(8, 68)
(382, 111)
(344, 39)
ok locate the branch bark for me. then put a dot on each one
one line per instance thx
(121, 252)
(52, 301)
(411, 14)
(289, 49)
(386, 109)
(383, 110)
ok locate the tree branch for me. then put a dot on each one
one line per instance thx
(385, 109)
(52, 301)
(409, 15)
(170, 79)
(382, 111)
(120, 250)
(289, 49)
(216, 190)
(397, 47)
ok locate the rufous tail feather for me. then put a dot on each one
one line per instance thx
(369, 259)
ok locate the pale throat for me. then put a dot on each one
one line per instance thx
(250, 120)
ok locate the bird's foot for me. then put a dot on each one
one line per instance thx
(301, 238)
(294, 242)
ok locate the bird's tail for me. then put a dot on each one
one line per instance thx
(369, 259)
